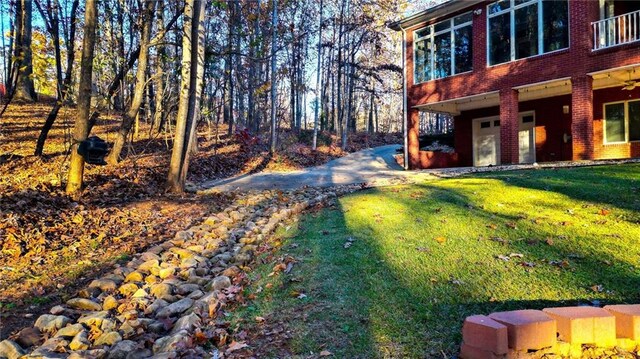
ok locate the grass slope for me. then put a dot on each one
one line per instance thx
(425, 256)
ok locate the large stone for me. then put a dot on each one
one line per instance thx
(80, 341)
(155, 306)
(70, 331)
(161, 290)
(140, 354)
(105, 285)
(89, 354)
(182, 253)
(147, 266)
(584, 325)
(175, 308)
(134, 276)
(221, 282)
(110, 303)
(48, 323)
(166, 272)
(128, 289)
(172, 342)
(187, 288)
(84, 304)
(187, 323)
(10, 350)
(108, 338)
(94, 318)
(122, 349)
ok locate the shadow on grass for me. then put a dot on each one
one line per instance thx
(398, 292)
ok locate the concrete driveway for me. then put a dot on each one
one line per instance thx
(374, 166)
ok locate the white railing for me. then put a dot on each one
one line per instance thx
(618, 30)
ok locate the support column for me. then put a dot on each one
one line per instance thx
(413, 127)
(582, 118)
(509, 126)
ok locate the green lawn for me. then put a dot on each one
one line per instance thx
(426, 256)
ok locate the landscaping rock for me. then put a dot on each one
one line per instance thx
(70, 331)
(122, 349)
(128, 289)
(110, 303)
(105, 285)
(187, 323)
(220, 283)
(171, 343)
(84, 304)
(175, 308)
(80, 341)
(10, 350)
(48, 323)
(108, 338)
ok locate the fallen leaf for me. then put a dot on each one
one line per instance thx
(512, 225)
(260, 319)
(441, 240)
(234, 346)
(325, 353)
(604, 212)
(492, 226)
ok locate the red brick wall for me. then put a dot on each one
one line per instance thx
(602, 151)
(577, 60)
(551, 125)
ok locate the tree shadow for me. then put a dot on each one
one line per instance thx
(404, 304)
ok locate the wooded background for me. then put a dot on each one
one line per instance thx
(258, 67)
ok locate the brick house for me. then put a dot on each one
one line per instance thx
(527, 80)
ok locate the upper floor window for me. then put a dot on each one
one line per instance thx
(518, 29)
(443, 49)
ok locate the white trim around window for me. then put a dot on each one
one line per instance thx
(626, 122)
(430, 36)
(511, 9)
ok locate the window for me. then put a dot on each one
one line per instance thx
(518, 29)
(622, 122)
(444, 49)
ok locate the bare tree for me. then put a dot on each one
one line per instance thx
(193, 42)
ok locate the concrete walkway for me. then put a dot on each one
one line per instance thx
(376, 167)
(372, 166)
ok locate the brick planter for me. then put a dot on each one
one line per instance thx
(560, 332)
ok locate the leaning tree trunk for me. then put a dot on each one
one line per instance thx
(81, 127)
(24, 88)
(141, 81)
(190, 93)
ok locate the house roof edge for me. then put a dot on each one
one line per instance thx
(432, 13)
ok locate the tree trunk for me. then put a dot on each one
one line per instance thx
(160, 58)
(66, 84)
(319, 87)
(141, 81)
(24, 90)
(81, 127)
(274, 83)
(190, 93)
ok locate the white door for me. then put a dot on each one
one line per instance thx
(527, 138)
(486, 141)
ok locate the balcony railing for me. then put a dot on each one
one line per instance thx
(615, 31)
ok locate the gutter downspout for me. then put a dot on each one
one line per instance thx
(404, 98)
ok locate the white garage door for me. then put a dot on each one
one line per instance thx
(486, 141)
